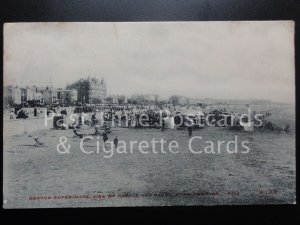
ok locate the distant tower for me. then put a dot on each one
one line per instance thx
(103, 88)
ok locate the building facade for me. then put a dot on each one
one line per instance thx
(66, 96)
(37, 94)
(27, 94)
(90, 90)
(49, 96)
(97, 90)
(178, 100)
(12, 95)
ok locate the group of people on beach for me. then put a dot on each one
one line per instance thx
(23, 113)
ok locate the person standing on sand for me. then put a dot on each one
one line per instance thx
(16, 110)
(11, 115)
(35, 111)
(105, 137)
(93, 118)
(116, 141)
(163, 125)
(190, 130)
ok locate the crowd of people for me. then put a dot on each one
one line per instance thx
(24, 113)
(131, 115)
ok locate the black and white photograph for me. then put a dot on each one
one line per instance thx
(111, 114)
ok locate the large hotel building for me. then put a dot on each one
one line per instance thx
(90, 90)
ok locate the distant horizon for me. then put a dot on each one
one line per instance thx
(152, 93)
(223, 60)
(166, 98)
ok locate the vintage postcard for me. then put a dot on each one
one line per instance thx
(148, 114)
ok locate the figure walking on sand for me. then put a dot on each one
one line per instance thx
(190, 130)
(163, 126)
(116, 141)
(35, 111)
(105, 138)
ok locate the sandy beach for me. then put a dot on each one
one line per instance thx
(38, 176)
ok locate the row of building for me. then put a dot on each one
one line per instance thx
(86, 91)
(89, 90)
(94, 91)
(14, 95)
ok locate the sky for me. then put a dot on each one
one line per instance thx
(228, 60)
